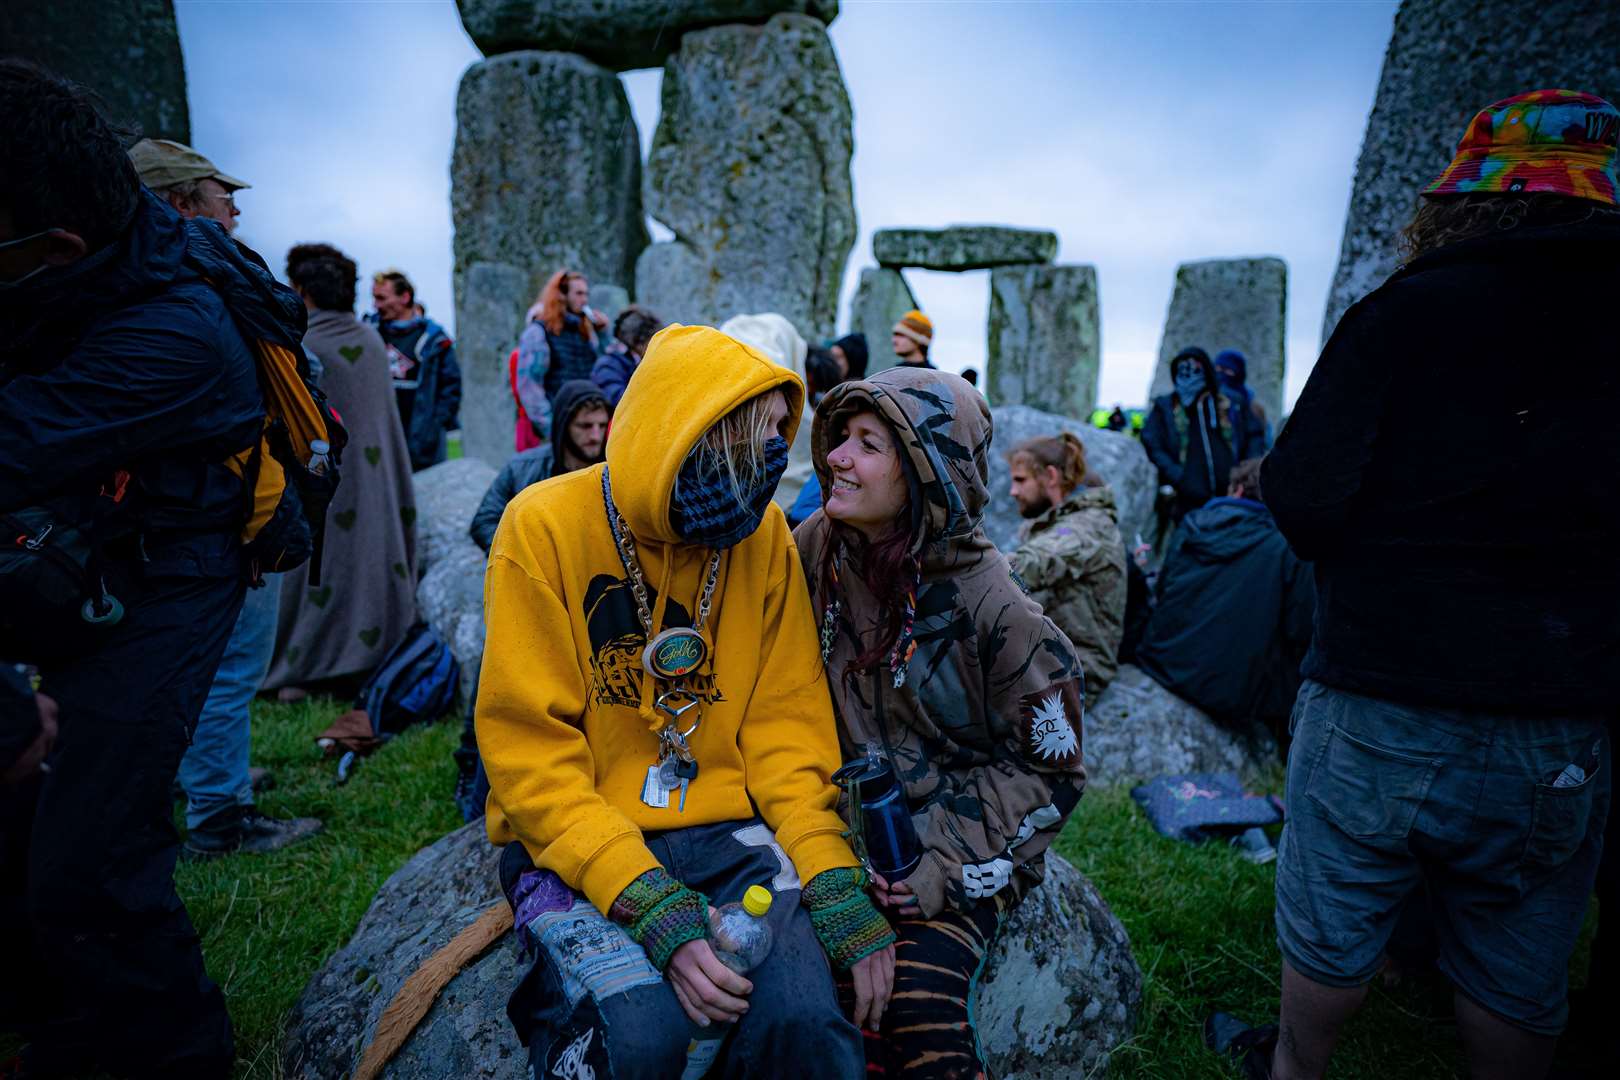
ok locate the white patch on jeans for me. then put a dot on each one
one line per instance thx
(758, 835)
(986, 879)
(571, 1065)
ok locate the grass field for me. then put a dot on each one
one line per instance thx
(1199, 918)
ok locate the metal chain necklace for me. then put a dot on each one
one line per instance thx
(680, 650)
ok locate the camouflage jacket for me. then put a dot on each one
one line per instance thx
(981, 714)
(1073, 562)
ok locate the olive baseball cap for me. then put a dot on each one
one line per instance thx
(162, 163)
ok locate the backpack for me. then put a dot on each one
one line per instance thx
(284, 521)
(418, 682)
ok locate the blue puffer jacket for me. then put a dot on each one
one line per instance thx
(129, 359)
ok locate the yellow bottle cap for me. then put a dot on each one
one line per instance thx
(757, 900)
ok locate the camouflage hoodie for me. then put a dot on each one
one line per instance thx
(985, 729)
(1073, 560)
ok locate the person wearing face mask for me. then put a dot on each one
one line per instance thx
(944, 669)
(658, 737)
(1232, 369)
(1191, 435)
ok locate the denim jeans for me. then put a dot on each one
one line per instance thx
(1385, 799)
(214, 772)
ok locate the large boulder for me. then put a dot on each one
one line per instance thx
(881, 298)
(1230, 304)
(1439, 70)
(1060, 990)
(1139, 730)
(750, 169)
(1045, 342)
(450, 594)
(619, 34)
(127, 52)
(1115, 456)
(963, 247)
(545, 174)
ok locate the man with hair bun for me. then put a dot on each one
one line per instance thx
(1071, 557)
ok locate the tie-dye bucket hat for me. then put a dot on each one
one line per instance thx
(1557, 141)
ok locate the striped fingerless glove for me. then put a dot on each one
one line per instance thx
(661, 914)
(847, 923)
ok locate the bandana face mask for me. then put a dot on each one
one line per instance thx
(1189, 381)
(703, 509)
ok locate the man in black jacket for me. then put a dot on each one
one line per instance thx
(118, 353)
(1234, 611)
(1194, 437)
(1452, 469)
(580, 424)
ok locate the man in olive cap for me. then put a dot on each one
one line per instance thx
(189, 182)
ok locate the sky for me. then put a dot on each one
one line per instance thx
(1145, 134)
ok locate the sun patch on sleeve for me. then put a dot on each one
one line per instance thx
(1051, 722)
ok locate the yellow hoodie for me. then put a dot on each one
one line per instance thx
(560, 721)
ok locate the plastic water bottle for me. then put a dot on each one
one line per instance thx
(741, 940)
(320, 461)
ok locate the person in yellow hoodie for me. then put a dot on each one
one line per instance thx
(638, 776)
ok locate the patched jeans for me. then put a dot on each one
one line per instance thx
(592, 1004)
(1480, 806)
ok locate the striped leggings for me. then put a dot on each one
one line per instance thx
(928, 1027)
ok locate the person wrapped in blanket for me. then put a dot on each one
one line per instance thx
(941, 665)
(636, 786)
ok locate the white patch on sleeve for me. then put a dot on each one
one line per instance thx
(986, 879)
(1034, 822)
(787, 878)
(1050, 733)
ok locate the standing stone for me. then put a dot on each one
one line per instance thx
(620, 34)
(963, 247)
(546, 173)
(1440, 69)
(1237, 304)
(750, 169)
(127, 52)
(1044, 338)
(881, 298)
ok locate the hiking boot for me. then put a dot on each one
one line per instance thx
(1250, 1047)
(236, 830)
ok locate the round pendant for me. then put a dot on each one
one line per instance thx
(675, 652)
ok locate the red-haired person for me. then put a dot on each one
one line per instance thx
(945, 675)
(561, 343)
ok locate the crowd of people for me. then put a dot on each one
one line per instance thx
(744, 624)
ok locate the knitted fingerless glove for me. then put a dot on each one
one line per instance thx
(847, 923)
(661, 914)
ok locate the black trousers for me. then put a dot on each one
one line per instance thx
(109, 960)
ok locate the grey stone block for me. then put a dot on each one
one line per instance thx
(963, 247)
(750, 169)
(619, 34)
(1441, 68)
(1060, 990)
(1044, 338)
(881, 298)
(1139, 730)
(127, 52)
(1231, 304)
(546, 174)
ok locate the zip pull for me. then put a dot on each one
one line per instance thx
(36, 542)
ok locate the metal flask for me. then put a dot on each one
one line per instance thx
(880, 828)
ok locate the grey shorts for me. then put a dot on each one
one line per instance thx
(1382, 796)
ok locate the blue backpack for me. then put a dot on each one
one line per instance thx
(417, 683)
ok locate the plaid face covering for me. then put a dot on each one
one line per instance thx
(703, 509)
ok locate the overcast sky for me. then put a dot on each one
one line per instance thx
(1143, 134)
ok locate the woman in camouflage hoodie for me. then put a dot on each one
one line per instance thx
(939, 663)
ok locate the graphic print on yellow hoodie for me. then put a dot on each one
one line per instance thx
(559, 717)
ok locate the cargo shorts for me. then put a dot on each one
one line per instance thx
(1482, 807)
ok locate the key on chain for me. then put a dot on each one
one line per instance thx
(686, 771)
(668, 772)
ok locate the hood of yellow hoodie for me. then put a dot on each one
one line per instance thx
(689, 378)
